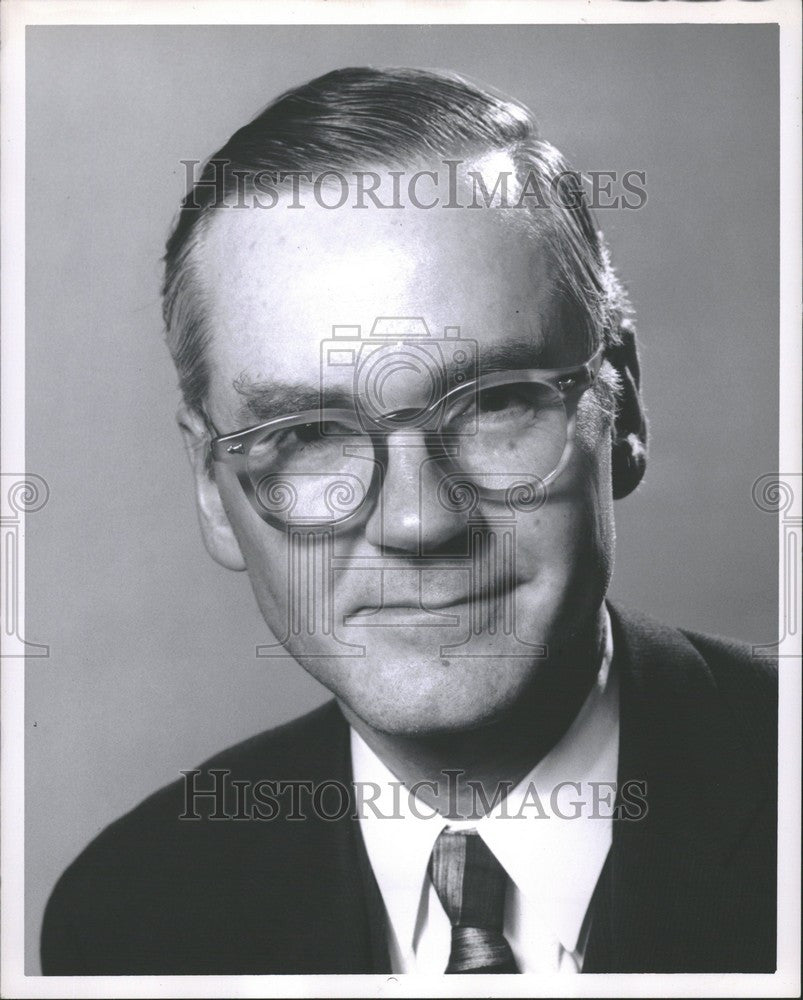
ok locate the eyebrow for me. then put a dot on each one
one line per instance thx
(265, 399)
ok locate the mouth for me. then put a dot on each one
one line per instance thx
(398, 615)
(445, 612)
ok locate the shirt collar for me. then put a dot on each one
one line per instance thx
(399, 836)
(554, 860)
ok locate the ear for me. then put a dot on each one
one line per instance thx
(218, 535)
(629, 444)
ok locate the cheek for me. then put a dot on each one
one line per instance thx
(570, 539)
(595, 530)
(593, 463)
(264, 549)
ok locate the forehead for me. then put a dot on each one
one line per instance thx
(275, 281)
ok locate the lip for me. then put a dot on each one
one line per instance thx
(399, 615)
(393, 612)
(366, 610)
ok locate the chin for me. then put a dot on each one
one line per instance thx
(410, 694)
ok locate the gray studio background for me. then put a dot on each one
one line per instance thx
(152, 664)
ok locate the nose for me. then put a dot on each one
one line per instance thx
(410, 515)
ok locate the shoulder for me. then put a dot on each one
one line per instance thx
(741, 672)
(304, 739)
(307, 747)
(748, 685)
(711, 672)
(733, 663)
(733, 660)
(148, 875)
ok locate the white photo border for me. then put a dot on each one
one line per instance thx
(16, 16)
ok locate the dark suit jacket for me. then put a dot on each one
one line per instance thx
(688, 888)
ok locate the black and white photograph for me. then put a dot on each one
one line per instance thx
(401, 499)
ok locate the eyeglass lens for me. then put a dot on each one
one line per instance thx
(322, 470)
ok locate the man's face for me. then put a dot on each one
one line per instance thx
(403, 584)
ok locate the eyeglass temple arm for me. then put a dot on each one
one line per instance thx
(211, 430)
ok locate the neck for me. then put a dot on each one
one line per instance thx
(454, 766)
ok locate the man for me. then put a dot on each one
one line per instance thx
(411, 395)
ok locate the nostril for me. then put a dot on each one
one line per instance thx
(409, 515)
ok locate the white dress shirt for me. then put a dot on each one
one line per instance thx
(551, 840)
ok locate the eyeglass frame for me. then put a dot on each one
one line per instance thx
(233, 449)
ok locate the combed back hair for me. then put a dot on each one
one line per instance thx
(355, 119)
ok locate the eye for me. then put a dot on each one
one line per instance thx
(514, 405)
(308, 433)
(314, 434)
(505, 399)
(511, 407)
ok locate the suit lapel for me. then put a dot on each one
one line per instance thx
(660, 899)
(339, 900)
(366, 947)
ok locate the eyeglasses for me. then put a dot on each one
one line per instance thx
(504, 436)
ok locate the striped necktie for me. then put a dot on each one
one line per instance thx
(471, 884)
